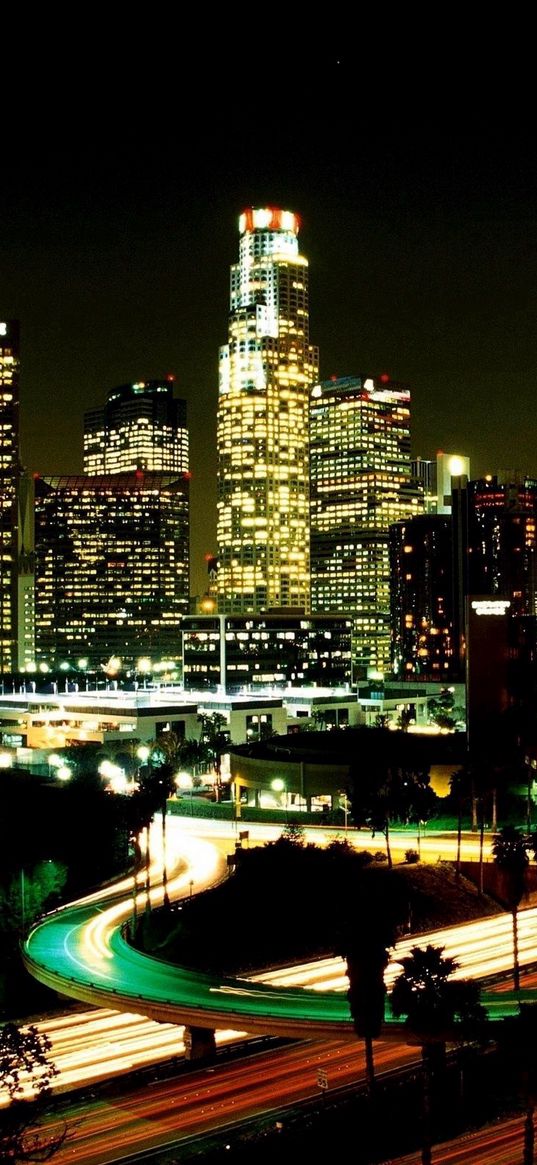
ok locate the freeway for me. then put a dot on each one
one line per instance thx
(82, 950)
(209, 1099)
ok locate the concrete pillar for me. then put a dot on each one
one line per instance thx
(199, 1043)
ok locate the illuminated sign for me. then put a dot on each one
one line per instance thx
(369, 384)
(490, 606)
(317, 391)
(3, 329)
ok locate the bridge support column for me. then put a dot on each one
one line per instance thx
(199, 1043)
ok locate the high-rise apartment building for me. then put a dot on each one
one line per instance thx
(361, 482)
(142, 426)
(266, 370)
(111, 566)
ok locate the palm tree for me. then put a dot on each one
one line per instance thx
(511, 856)
(437, 1008)
(367, 935)
(366, 963)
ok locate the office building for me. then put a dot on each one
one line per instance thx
(266, 369)
(450, 467)
(231, 653)
(111, 566)
(360, 482)
(16, 559)
(436, 479)
(421, 561)
(502, 519)
(141, 426)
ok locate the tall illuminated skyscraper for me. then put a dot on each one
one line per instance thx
(16, 534)
(142, 426)
(361, 482)
(9, 467)
(266, 370)
(111, 566)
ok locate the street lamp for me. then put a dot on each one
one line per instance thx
(185, 781)
(344, 802)
(54, 761)
(63, 773)
(279, 787)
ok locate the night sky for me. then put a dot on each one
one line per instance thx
(118, 227)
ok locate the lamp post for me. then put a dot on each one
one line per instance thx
(142, 753)
(279, 787)
(184, 780)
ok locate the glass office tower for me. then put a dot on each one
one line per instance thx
(16, 579)
(361, 482)
(111, 566)
(266, 370)
(142, 426)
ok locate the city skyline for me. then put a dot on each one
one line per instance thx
(420, 247)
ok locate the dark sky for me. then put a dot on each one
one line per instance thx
(119, 223)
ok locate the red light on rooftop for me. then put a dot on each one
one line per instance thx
(170, 377)
(384, 378)
(333, 379)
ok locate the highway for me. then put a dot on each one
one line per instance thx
(211, 1098)
(89, 1046)
(498, 1144)
(81, 951)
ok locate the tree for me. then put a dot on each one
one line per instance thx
(437, 1009)
(443, 710)
(294, 833)
(368, 933)
(511, 856)
(460, 783)
(366, 962)
(156, 785)
(26, 1073)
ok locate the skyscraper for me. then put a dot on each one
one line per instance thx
(266, 370)
(16, 561)
(111, 566)
(361, 483)
(422, 598)
(142, 426)
(9, 462)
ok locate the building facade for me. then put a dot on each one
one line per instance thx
(266, 369)
(16, 542)
(502, 522)
(234, 652)
(360, 483)
(422, 596)
(142, 426)
(111, 566)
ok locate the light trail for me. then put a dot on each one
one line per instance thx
(129, 1040)
(202, 1101)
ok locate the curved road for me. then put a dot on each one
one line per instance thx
(81, 951)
